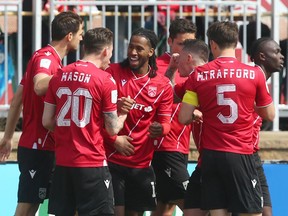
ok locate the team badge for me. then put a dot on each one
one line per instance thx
(152, 90)
(42, 193)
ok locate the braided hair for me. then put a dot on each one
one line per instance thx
(153, 41)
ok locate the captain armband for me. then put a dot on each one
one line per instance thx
(191, 98)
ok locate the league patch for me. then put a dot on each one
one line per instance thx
(45, 63)
(114, 96)
(42, 193)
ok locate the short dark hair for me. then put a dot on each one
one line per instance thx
(96, 39)
(258, 47)
(181, 26)
(64, 23)
(198, 47)
(224, 33)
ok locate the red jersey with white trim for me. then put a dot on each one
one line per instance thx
(154, 97)
(81, 93)
(227, 91)
(178, 139)
(34, 135)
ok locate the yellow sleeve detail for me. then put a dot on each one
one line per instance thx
(191, 97)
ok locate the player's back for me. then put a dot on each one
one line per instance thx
(227, 91)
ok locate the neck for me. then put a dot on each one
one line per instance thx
(230, 52)
(93, 59)
(60, 47)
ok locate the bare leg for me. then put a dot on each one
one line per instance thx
(164, 209)
(195, 212)
(26, 209)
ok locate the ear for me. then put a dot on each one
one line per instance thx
(169, 41)
(69, 36)
(151, 52)
(262, 56)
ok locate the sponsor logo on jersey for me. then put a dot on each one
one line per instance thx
(142, 107)
(123, 82)
(152, 90)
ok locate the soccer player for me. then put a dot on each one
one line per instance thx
(132, 174)
(171, 156)
(36, 145)
(80, 98)
(227, 92)
(266, 54)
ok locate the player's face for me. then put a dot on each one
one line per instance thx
(76, 38)
(139, 52)
(176, 44)
(106, 59)
(274, 60)
(184, 65)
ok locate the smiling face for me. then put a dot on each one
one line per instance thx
(139, 52)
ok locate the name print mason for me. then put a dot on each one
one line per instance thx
(75, 76)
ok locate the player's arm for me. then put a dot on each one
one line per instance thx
(48, 118)
(189, 103)
(267, 113)
(12, 119)
(113, 122)
(172, 68)
(41, 82)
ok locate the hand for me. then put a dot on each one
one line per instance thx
(155, 130)
(173, 64)
(123, 146)
(197, 116)
(125, 104)
(5, 149)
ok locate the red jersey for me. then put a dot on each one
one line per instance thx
(154, 97)
(82, 93)
(34, 135)
(178, 139)
(228, 117)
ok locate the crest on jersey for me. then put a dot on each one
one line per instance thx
(152, 90)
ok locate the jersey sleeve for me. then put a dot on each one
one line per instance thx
(110, 94)
(43, 64)
(165, 107)
(50, 97)
(263, 97)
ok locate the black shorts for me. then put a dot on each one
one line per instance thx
(171, 175)
(133, 188)
(263, 180)
(36, 170)
(193, 195)
(230, 181)
(87, 190)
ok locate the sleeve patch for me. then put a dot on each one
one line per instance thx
(114, 95)
(45, 63)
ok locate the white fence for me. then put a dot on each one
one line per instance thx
(122, 17)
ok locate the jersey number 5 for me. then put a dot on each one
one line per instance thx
(222, 101)
(73, 104)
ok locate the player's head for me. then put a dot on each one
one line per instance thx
(141, 51)
(224, 34)
(99, 41)
(266, 53)
(67, 25)
(194, 53)
(180, 29)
